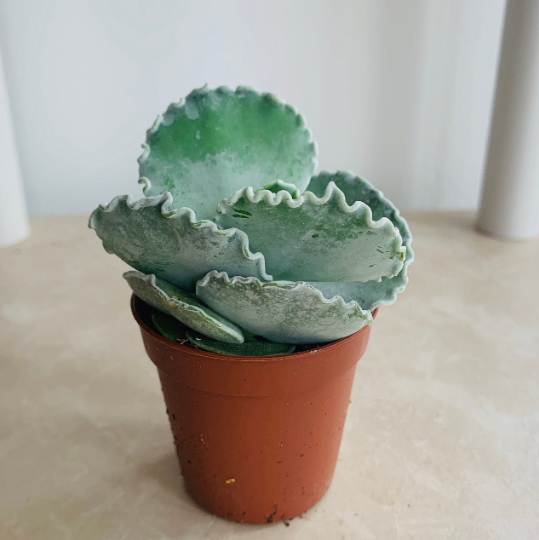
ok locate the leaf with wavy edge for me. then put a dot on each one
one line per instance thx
(153, 237)
(182, 306)
(281, 312)
(315, 238)
(248, 348)
(214, 142)
(279, 185)
(371, 294)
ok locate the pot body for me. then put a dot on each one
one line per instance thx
(257, 437)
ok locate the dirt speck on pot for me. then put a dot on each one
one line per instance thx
(272, 515)
(230, 481)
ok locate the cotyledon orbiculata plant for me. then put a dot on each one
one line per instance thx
(291, 259)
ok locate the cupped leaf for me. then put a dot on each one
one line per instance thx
(281, 312)
(154, 238)
(315, 238)
(215, 142)
(355, 189)
(248, 348)
(371, 294)
(169, 327)
(183, 306)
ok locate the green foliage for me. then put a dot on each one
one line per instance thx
(315, 238)
(232, 210)
(247, 348)
(183, 306)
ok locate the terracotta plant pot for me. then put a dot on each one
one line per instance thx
(257, 437)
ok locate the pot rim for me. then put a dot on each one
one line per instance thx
(231, 358)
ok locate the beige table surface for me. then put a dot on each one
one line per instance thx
(441, 440)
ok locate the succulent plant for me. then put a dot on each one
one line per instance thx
(239, 248)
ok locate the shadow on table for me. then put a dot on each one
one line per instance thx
(167, 472)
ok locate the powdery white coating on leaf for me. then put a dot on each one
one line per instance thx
(214, 142)
(315, 238)
(248, 348)
(183, 306)
(154, 238)
(371, 294)
(281, 312)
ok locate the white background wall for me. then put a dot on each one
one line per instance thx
(398, 91)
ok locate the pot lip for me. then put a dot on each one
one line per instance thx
(230, 358)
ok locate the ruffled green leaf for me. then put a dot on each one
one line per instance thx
(248, 348)
(373, 293)
(215, 142)
(183, 306)
(279, 185)
(154, 238)
(315, 238)
(281, 312)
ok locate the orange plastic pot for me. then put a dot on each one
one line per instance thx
(257, 437)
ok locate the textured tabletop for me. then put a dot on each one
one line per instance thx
(441, 439)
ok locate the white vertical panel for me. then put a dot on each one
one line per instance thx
(14, 225)
(510, 202)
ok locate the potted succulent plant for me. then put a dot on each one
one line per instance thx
(255, 286)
